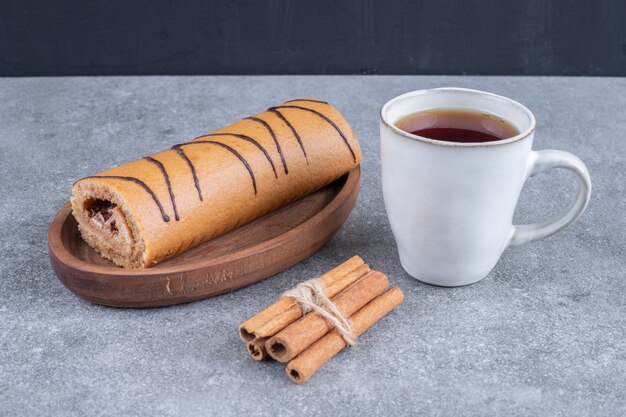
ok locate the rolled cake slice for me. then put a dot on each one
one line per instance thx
(154, 208)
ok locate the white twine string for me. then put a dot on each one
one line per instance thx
(310, 296)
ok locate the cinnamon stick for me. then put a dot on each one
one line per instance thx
(295, 338)
(257, 349)
(293, 313)
(308, 362)
(248, 330)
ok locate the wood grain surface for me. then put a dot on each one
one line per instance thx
(246, 255)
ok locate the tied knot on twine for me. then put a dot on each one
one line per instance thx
(310, 296)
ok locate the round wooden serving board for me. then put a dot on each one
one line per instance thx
(241, 257)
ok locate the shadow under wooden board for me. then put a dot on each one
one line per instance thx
(248, 254)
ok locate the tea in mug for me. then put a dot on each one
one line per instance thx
(457, 125)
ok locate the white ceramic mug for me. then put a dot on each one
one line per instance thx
(450, 205)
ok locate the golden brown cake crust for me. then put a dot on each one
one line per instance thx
(151, 209)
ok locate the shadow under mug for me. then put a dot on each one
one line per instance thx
(450, 205)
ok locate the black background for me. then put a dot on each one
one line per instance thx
(94, 37)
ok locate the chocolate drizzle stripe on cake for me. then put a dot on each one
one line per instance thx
(179, 149)
(293, 130)
(183, 155)
(247, 139)
(231, 150)
(345, 139)
(167, 182)
(166, 218)
(271, 131)
(307, 99)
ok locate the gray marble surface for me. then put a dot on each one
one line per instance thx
(543, 334)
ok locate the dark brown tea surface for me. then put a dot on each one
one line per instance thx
(457, 125)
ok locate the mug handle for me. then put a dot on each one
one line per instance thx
(540, 161)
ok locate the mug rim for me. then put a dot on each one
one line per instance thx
(523, 134)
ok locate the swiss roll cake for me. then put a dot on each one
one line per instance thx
(151, 209)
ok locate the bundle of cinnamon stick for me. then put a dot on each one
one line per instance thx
(305, 340)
